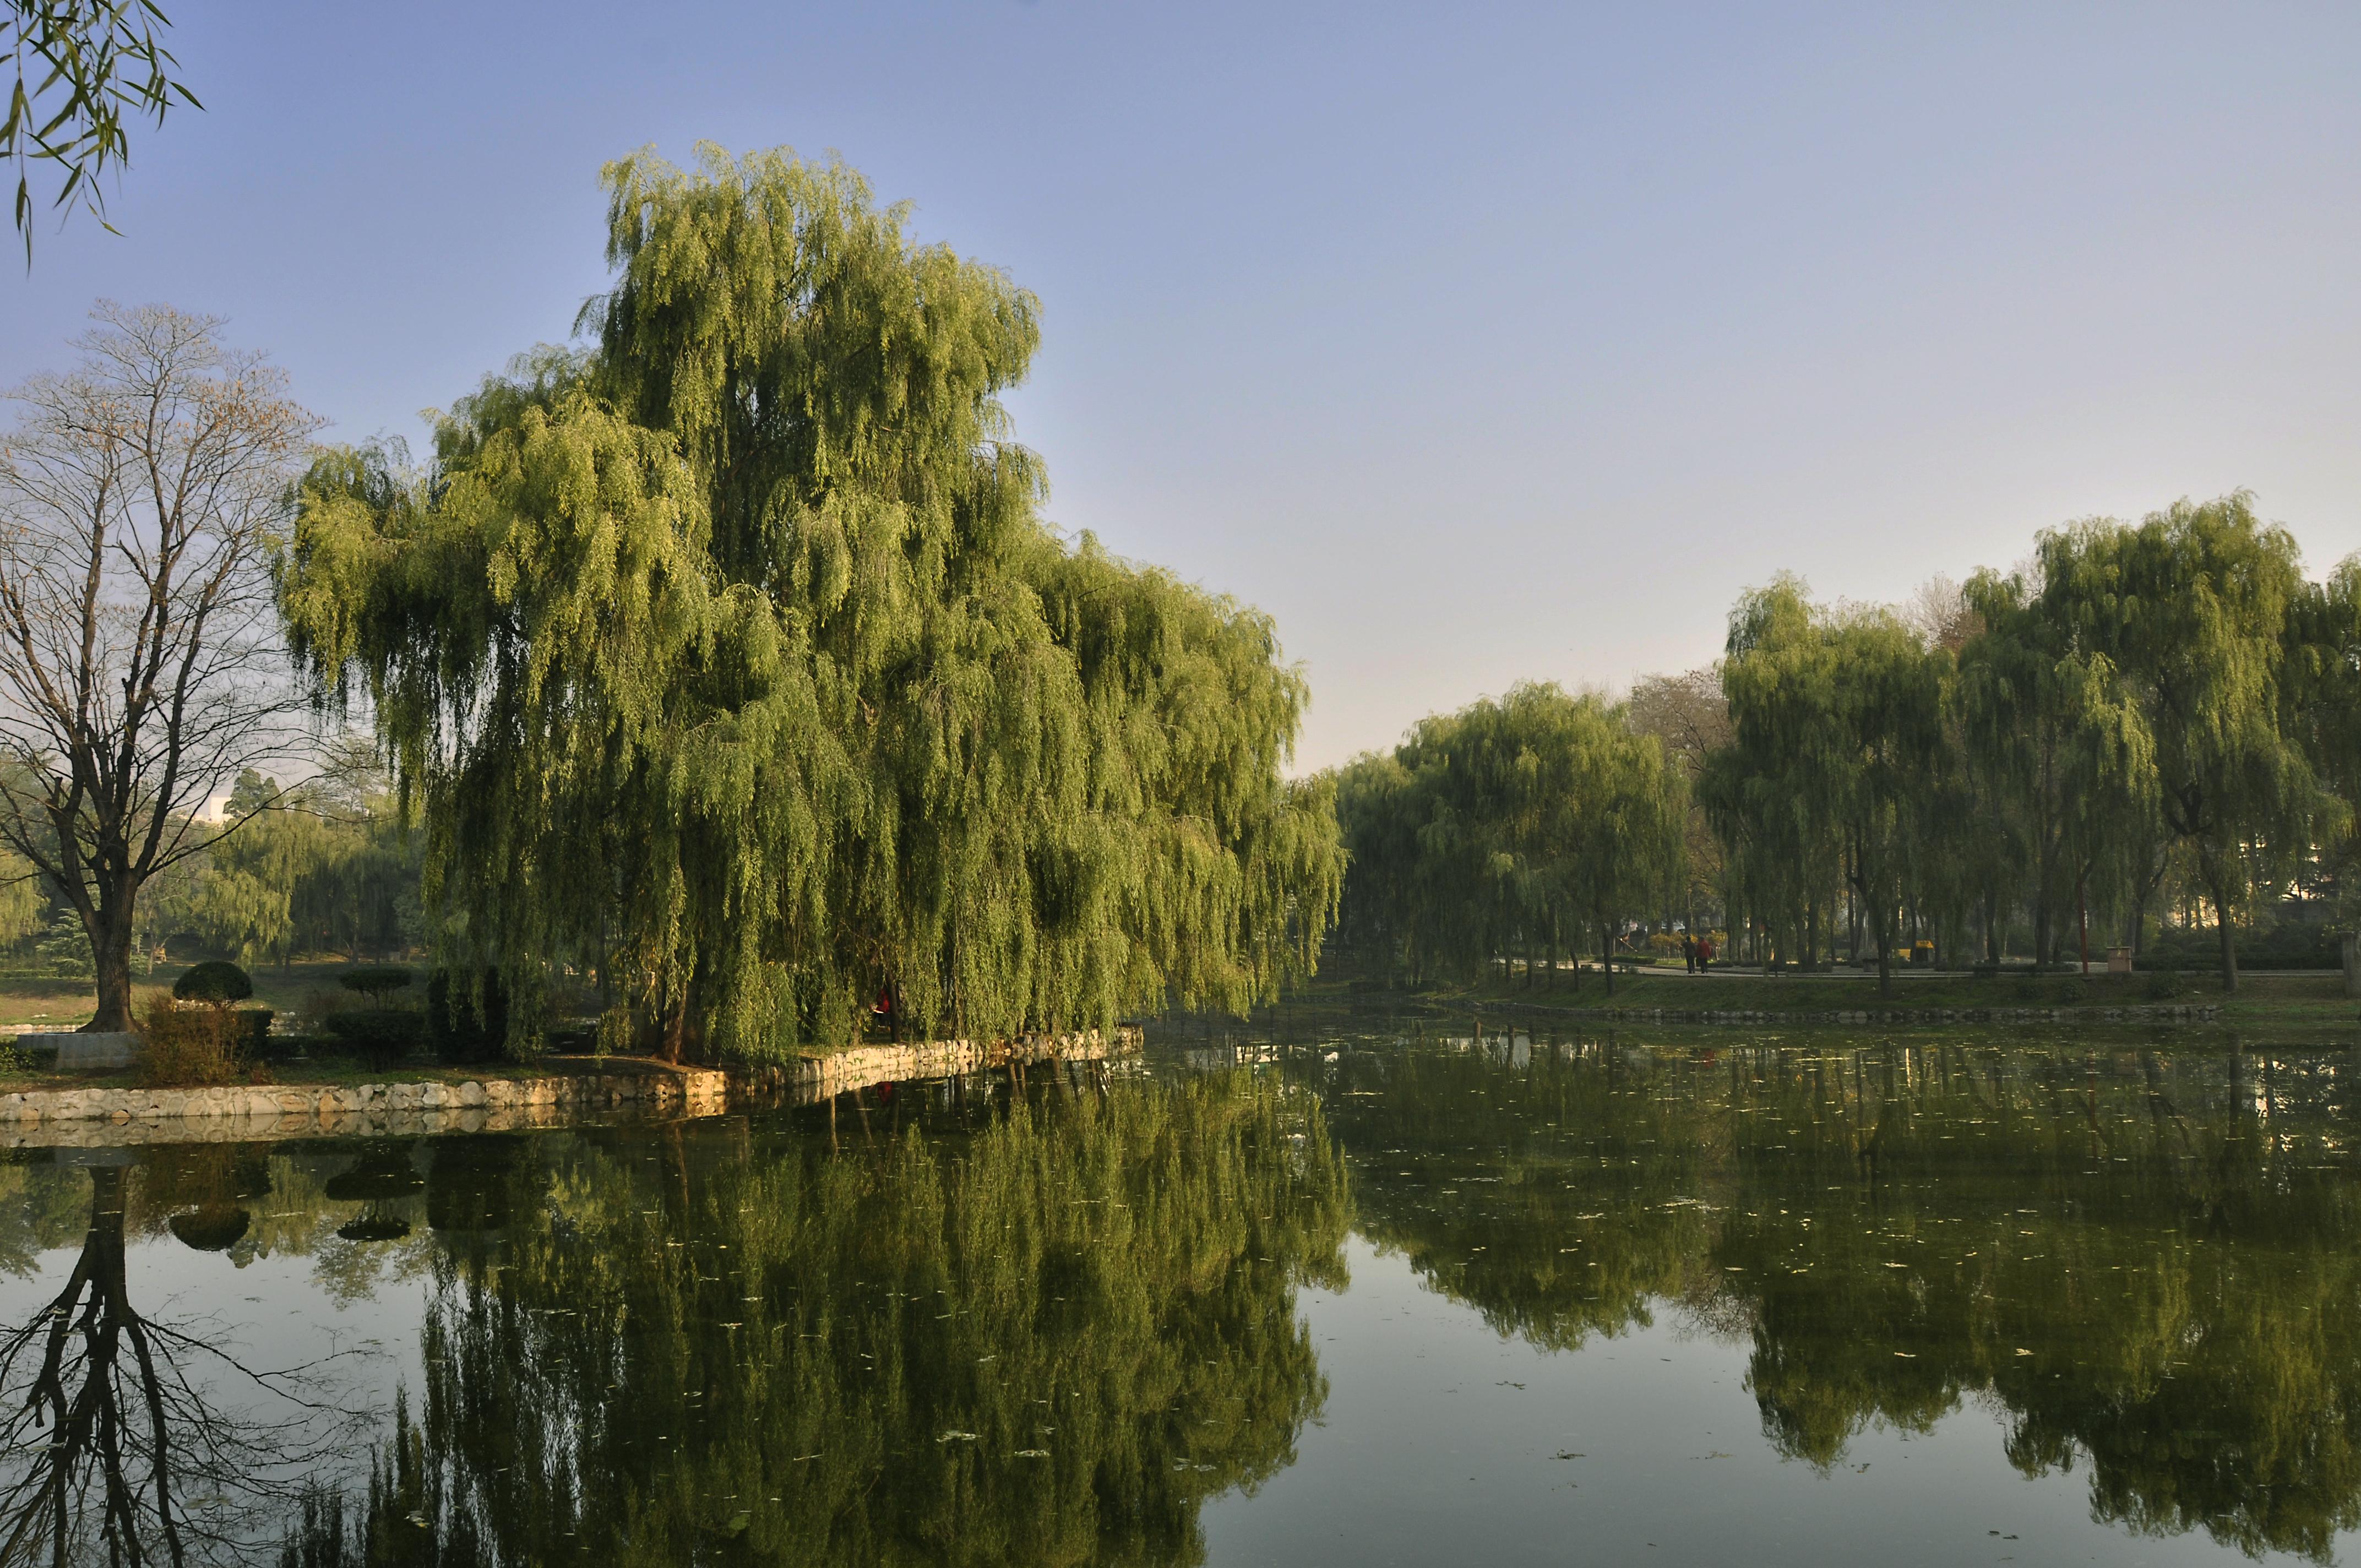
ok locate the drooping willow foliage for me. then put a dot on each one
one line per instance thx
(1517, 826)
(2161, 700)
(732, 660)
(2144, 716)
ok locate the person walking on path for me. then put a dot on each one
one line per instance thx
(1689, 952)
(1705, 954)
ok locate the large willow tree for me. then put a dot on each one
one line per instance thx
(732, 658)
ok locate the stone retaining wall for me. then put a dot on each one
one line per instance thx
(243, 1112)
(819, 1077)
(320, 1108)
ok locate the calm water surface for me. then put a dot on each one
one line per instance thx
(1389, 1300)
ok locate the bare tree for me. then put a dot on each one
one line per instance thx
(1939, 614)
(141, 501)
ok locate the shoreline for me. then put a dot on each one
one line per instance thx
(2160, 1013)
(494, 1102)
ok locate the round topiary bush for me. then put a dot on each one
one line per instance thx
(377, 981)
(216, 980)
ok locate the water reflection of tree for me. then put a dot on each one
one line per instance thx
(1043, 1334)
(115, 1444)
(2140, 1259)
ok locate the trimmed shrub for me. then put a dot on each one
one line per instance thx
(379, 1036)
(189, 1046)
(382, 1171)
(215, 1227)
(374, 981)
(215, 979)
(459, 1028)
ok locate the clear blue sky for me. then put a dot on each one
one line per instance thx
(1474, 343)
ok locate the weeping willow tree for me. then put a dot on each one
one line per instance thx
(2195, 608)
(1510, 828)
(732, 659)
(1775, 792)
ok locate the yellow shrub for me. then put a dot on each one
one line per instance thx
(190, 1044)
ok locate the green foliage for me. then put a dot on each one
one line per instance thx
(1835, 738)
(379, 1036)
(80, 66)
(326, 865)
(467, 1015)
(1513, 826)
(2161, 704)
(733, 661)
(378, 981)
(214, 980)
(64, 946)
(2193, 609)
(21, 904)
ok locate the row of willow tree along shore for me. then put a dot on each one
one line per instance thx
(726, 679)
(2140, 720)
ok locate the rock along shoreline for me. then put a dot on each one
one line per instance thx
(496, 1102)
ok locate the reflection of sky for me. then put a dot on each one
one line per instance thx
(273, 1313)
(1428, 1452)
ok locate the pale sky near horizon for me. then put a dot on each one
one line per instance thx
(1474, 343)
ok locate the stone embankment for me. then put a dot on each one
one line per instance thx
(241, 1113)
(2178, 1014)
(819, 1077)
(245, 1111)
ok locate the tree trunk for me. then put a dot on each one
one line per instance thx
(108, 925)
(1878, 924)
(2222, 925)
(2353, 963)
(1607, 950)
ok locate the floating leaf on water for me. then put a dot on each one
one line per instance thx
(1032, 1453)
(957, 1437)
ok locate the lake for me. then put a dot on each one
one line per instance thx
(1407, 1298)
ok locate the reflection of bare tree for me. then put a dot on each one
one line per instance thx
(114, 1447)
